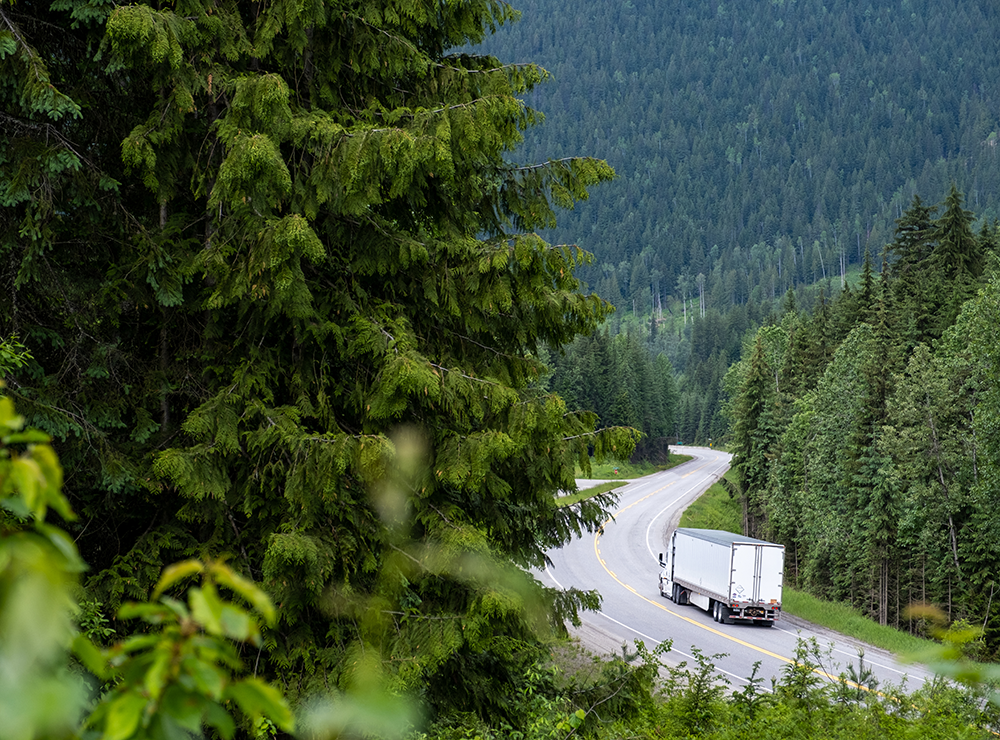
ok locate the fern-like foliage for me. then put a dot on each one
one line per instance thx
(254, 253)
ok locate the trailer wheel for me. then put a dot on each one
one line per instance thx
(724, 614)
(715, 610)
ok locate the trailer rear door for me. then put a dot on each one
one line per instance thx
(757, 573)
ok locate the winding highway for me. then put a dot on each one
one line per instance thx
(621, 563)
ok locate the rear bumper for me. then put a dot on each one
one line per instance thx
(755, 613)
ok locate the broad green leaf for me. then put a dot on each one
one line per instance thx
(152, 613)
(179, 608)
(208, 678)
(247, 589)
(92, 658)
(123, 716)
(206, 608)
(156, 673)
(237, 624)
(258, 699)
(62, 543)
(219, 718)
(28, 436)
(177, 572)
(185, 708)
(137, 643)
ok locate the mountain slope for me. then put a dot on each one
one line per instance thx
(793, 131)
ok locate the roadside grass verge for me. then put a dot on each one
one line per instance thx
(849, 621)
(626, 471)
(716, 510)
(588, 493)
(617, 470)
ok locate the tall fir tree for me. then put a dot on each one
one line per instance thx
(958, 259)
(914, 285)
(754, 435)
(257, 251)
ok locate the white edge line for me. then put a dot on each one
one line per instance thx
(651, 639)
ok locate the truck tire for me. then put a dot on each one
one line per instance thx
(715, 610)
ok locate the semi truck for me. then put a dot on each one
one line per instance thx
(733, 578)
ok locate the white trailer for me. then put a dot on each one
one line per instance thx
(730, 576)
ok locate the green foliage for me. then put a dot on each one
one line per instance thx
(621, 380)
(173, 678)
(178, 679)
(871, 463)
(39, 568)
(698, 693)
(251, 253)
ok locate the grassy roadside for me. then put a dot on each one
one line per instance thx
(621, 473)
(627, 470)
(716, 510)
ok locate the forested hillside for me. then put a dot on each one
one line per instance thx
(277, 316)
(865, 432)
(759, 145)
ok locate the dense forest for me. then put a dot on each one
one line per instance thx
(293, 372)
(770, 143)
(865, 431)
(758, 147)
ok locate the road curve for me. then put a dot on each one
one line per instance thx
(621, 563)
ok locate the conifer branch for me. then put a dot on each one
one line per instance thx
(49, 130)
(412, 48)
(548, 163)
(427, 617)
(443, 516)
(488, 70)
(16, 32)
(467, 377)
(594, 433)
(470, 340)
(432, 112)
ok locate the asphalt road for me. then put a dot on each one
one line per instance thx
(621, 563)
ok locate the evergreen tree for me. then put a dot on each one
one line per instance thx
(934, 450)
(867, 289)
(789, 305)
(754, 434)
(957, 252)
(258, 251)
(597, 370)
(958, 259)
(915, 286)
(663, 375)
